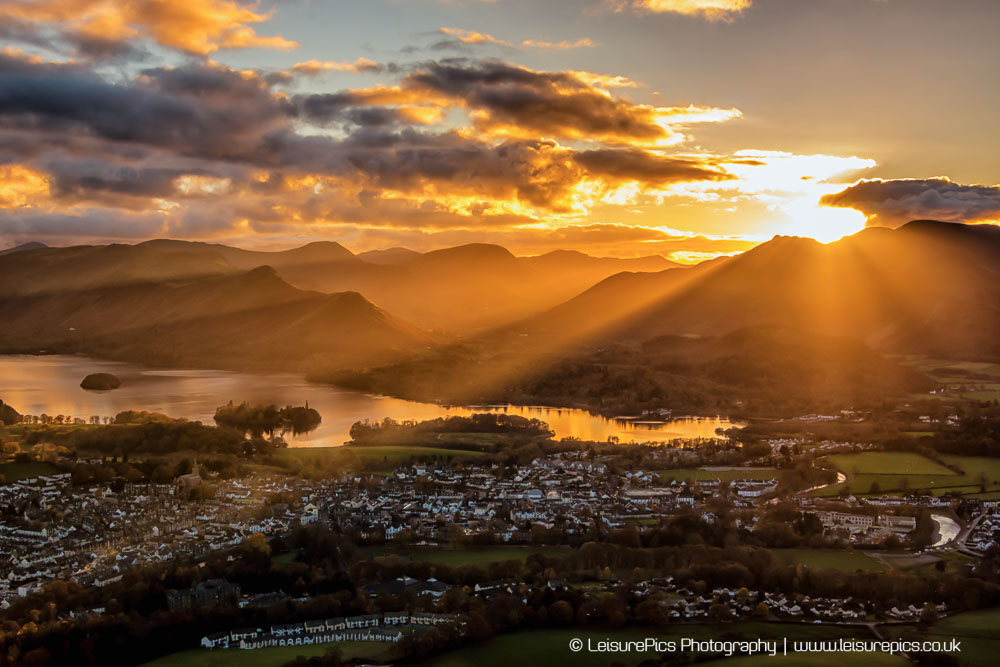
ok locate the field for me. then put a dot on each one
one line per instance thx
(542, 648)
(698, 474)
(895, 472)
(966, 379)
(467, 556)
(13, 472)
(979, 632)
(813, 660)
(267, 657)
(898, 463)
(848, 561)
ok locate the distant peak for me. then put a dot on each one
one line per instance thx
(487, 250)
(31, 245)
(261, 272)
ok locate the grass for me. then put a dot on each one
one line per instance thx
(285, 559)
(698, 474)
(484, 440)
(541, 648)
(14, 472)
(979, 632)
(814, 660)
(467, 556)
(266, 657)
(894, 470)
(895, 463)
(838, 559)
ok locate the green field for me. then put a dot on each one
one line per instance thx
(979, 632)
(896, 463)
(698, 474)
(542, 648)
(848, 561)
(814, 660)
(466, 556)
(894, 470)
(13, 472)
(267, 657)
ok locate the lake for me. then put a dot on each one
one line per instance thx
(51, 384)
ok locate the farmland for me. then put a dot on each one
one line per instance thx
(978, 631)
(896, 472)
(551, 647)
(266, 657)
(837, 559)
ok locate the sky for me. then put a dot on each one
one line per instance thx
(687, 128)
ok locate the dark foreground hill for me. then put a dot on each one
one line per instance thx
(751, 371)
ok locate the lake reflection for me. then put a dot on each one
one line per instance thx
(51, 385)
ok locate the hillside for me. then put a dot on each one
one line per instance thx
(925, 288)
(754, 371)
(251, 320)
(903, 290)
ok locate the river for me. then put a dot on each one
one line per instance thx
(51, 385)
(947, 529)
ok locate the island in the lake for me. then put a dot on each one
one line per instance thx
(101, 382)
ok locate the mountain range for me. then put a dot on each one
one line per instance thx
(477, 322)
(456, 290)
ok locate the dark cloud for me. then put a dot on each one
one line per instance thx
(646, 167)
(196, 110)
(890, 203)
(89, 179)
(554, 104)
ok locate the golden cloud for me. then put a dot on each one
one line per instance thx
(710, 9)
(199, 27)
(21, 186)
(475, 38)
(313, 67)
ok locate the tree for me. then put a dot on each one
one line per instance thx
(718, 613)
(929, 614)
(561, 612)
(982, 481)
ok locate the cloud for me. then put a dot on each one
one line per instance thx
(199, 27)
(890, 203)
(620, 165)
(712, 10)
(581, 43)
(203, 109)
(463, 39)
(206, 150)
(314, 67)
(516, 101)
(20, 186)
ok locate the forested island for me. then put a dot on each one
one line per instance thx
(101, 382)
(433, 431)
(266, 419)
